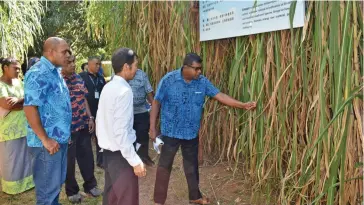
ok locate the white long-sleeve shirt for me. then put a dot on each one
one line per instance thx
(115, 118)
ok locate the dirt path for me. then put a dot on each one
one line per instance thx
(216, 182)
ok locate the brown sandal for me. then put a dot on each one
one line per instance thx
(203, 200)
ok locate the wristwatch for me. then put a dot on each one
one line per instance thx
(91, 118)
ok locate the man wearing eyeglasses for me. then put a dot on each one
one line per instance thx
(180, 97)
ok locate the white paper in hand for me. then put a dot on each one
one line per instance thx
(156, 144)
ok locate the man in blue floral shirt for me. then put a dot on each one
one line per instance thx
(142, 91)
(180, 96)
(48, 110)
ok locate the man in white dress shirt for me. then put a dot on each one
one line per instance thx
(114, 128)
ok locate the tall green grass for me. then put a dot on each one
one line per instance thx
(303, 143)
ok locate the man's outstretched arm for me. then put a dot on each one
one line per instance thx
(231, 102)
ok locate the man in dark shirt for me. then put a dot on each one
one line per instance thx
(94, 84)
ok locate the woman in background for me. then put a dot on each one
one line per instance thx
(15, 162)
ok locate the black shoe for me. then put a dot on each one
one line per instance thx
(148, 161)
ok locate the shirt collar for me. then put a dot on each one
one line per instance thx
(179, 76)
(120, 79)
(48, 63)
(70, 77)
(92, 75)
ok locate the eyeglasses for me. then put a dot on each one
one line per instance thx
(196, 68)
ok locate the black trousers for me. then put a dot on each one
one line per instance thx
(80, 148)
(141, 127)
(190, 165)
(121, 184)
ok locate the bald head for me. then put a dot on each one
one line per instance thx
(57, 51)
(52, 43)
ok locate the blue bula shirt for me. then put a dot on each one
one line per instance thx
(182, 104)
(45, 88)
(141, 87)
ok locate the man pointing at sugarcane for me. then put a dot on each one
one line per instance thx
(180, 97)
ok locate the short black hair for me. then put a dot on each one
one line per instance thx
(93, 58)
(7, 61)
(190, 58)
(122, 56)
(31, 62)
(83, 66)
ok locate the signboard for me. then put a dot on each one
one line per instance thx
(225, 19)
